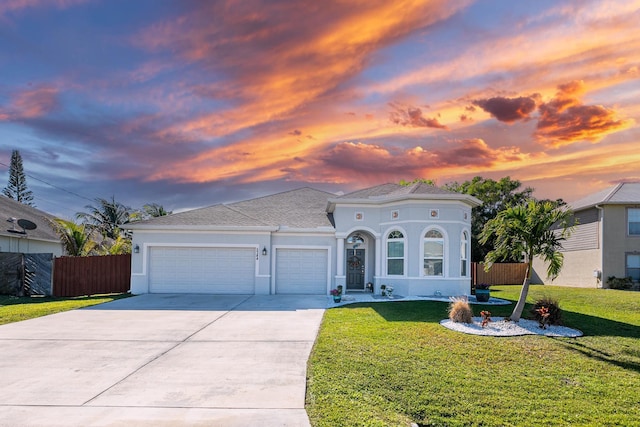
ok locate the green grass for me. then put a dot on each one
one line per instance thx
(15, 309)
(390, 364)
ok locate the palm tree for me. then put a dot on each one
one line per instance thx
(535, 228)
(74, 237)
(108, 217)
(148, 211)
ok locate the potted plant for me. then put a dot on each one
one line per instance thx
(337, 294)
(389, 291)
(482, 292)
(383, 290)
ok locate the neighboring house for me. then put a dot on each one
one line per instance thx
(415, 238)
(13, 238)
(606, 241)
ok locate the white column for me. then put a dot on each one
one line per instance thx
(378, 256)
(340, 258)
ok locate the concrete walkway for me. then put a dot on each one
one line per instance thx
(162, 360)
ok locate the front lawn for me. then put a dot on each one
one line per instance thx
(391, 364)
(15, 309)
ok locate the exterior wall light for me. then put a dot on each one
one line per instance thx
(136, 249)
(264, 251)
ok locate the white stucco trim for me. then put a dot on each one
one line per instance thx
(344, 235)
(274, 251)
(445, 249)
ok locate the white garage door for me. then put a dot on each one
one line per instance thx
(202, 270)
(301, 271)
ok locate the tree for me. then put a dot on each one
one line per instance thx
(74, 237)
(430, 182)
(16, 188)
(108, 217)
(534, 228)
(495, 196)
(148, 211)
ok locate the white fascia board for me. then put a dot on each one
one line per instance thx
(318, 230)
(27, 237)
(236, 228)
(384, 200)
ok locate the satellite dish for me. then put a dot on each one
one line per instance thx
(26, 224)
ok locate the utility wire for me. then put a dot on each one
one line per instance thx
(54, 186)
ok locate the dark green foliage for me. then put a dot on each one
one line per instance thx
(546, 311)
(16, 188)
(622, 283)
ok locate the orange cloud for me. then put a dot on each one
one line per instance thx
(412, 116)
(31, 103)
(564, 120)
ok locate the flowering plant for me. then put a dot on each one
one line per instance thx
(483, 286)
(486, 317)
(335, 292)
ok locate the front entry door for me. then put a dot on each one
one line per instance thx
(355, 269)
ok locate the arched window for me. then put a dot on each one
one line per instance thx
(464, 248)
(395, 253)
(433, 253)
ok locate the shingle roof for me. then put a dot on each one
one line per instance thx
(390, 189)
(9, 208)
(622, 193)
(301, 208)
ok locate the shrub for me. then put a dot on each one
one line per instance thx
(547, 312)
(460, 311)
(623, 283)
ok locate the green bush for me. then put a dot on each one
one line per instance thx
(622, 283)
(547, 312)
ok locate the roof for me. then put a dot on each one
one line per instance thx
(624, 193)
(301, 208)
(393, 192)
(10, 208)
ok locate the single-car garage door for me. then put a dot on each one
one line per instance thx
(301, 271)
(202, 270)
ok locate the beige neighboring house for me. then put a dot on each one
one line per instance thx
(14, 238)
(606, 241)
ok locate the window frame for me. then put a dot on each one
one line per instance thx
(464, 254)
(629, 233)
(443, 241)
(402, 240)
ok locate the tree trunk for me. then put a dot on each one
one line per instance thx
(517, 311)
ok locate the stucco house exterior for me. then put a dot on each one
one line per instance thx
(415, 238)
(606, 241)
(13, 238)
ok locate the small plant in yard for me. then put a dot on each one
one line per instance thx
(546, 311)
(383, 290)
(622, 283)
(335, 292)
(460, 311)
(486, 317)
(483, 286)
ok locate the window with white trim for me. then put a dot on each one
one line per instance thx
(433, 253)
(633, 267)
(633, 221)
(464, 247)
(395, 253)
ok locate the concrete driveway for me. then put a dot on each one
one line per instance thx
(162, 360)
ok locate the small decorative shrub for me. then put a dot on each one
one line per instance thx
(483, 286)
(486, 317)
(622, 283)
(546, 311)
(460, 311)
(383, 290)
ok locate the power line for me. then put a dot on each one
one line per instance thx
(54, 186)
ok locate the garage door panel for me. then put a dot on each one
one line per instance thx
(301, 271)
(202, 270)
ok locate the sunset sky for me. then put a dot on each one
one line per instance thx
(193, 103)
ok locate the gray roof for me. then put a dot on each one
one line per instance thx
(301, 208)
(390, 189)
(9, 208)
(624, 193)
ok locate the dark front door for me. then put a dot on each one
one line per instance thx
(355, 269)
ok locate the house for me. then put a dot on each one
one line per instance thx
(605, 241)
(415, 238)
(18, 239)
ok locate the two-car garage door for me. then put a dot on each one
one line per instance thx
(229, 270)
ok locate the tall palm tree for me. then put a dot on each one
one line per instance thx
(74, 237)
(108, 217)
(148, 211)
(535, 228)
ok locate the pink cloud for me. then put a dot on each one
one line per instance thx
(508, 110)
(31, 103)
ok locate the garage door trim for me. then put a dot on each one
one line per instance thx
(274, 252)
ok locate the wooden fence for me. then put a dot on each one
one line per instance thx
(77, 276)
(499, 274)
